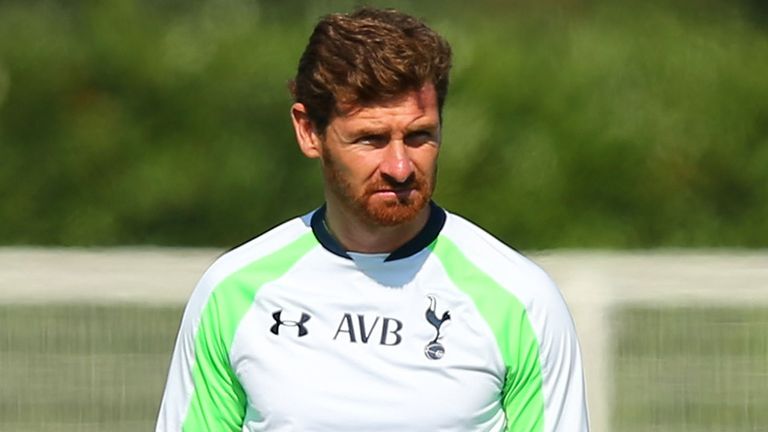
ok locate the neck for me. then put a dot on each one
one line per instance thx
(357, 235)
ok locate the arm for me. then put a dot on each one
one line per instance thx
(202, 393)
(544, 389)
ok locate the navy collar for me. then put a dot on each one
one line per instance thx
(424, 238)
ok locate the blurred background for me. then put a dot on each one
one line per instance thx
(622, 144)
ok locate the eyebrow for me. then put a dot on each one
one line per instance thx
(353, 135)
(372, 130)
(422, 127)
(367, 130)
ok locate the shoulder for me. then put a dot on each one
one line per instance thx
(511, 269)
(504, 284)
(259, 247)
(263, 246)
(499, 275)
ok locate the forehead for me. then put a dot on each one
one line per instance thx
(415, 106)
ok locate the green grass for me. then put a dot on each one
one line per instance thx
(102, 367)
(691, 369)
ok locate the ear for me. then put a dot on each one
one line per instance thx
(306, 135)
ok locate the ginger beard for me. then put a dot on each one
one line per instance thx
(380, 211)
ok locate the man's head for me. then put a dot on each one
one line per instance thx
(368, 97)
(367, 57)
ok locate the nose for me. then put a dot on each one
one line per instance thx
(395, 162)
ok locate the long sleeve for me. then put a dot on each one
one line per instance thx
(202, 393)
(544, 390)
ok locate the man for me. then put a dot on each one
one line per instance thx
(379, 311)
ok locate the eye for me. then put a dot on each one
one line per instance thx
(373, 140)
(420, 137)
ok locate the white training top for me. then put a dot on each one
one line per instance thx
(454, 331)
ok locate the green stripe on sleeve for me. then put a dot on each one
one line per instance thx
(218, 400)
(522, 396)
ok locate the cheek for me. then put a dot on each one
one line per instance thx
(426, 161)
(352, 171)
(363, 166)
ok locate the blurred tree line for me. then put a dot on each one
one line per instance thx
(568, 124)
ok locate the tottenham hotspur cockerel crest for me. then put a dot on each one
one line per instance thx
(434, 349)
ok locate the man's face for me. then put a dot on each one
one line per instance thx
(380, 161)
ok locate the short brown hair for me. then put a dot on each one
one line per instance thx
(368, 56)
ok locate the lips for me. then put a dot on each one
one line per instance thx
(401, 190)
(397, 192)
(397, 188)
(396, 197)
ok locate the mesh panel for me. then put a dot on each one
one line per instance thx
(691, 369)
(83, 368)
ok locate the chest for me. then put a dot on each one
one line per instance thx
(356, 356)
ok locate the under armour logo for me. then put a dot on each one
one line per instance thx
(434, 349)
(279, 322)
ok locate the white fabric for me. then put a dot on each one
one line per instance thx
(363, 363)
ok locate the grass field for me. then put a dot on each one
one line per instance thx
(96, 367)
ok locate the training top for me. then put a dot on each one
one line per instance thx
(453, 331)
